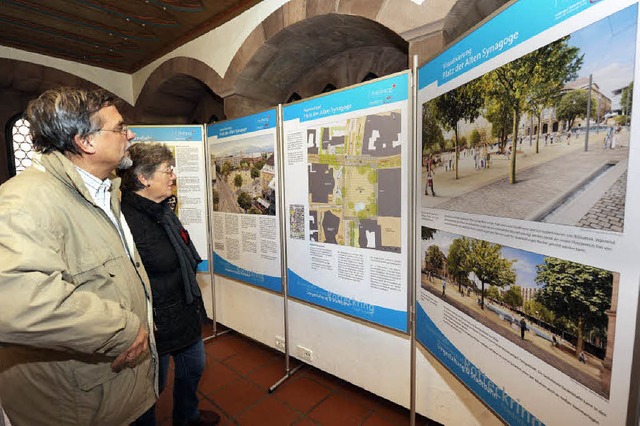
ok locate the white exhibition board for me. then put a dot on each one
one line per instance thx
(345, 162)
(528, 257)
(187, 145)
(244, 217)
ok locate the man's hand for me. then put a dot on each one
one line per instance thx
(130, 357)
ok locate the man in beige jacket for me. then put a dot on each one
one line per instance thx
(74, 297)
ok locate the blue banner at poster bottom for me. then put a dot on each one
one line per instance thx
(430, 336)
(224, 267)
(304, 290)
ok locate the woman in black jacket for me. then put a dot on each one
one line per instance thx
(170, 260)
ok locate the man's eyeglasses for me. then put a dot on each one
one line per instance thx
(123, 130)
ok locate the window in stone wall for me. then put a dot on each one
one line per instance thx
(22, 146)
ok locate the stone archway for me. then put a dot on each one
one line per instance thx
(180, 91)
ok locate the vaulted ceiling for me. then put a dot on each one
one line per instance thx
(116, 35)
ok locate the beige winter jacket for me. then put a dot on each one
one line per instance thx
(71, 300)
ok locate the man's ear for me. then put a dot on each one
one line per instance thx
(84, 144)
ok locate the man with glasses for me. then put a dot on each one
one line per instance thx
(74, 297)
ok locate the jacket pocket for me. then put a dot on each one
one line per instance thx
(100, 280)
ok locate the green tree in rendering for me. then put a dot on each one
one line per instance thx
(255, 173)
(434, 259)
(563, 63)
(513, 296)
(537, 310)
(215, 198)
(244, 200)
(626, 102)
(475, 138)
(573, 104)
(578, 293)
(501, 119)
(514, 84)
(237, 181)
(486, 262)
(457, 264)
(432, 139)
(461, 103)
(493, 293)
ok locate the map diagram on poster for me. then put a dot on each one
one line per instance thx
(355, 182)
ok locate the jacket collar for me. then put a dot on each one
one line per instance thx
(63, 169)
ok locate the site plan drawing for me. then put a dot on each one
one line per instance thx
(355, 182)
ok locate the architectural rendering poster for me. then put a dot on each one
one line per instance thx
(345, 155)
(528, 283)
(190, 196)
(246, 243)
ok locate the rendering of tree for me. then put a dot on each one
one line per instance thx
(457, 265)
(538, 310)
(432, 139)
(626, 101)
(514, 84)
(225, 169)
(255, 173)
(461, 103)
(572, 105)
(244, 200)
(494, 293)
(578, 293)
(215, 198)
(513, 296)
(486, 262)
(501, 119)
(475, 138)
(434, 259)
(237, 181)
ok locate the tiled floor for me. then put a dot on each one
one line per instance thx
(240, 372)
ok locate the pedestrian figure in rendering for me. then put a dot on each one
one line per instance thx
(546, 138)
(170, 259)
(582, 358)
(429, 184)
(74, 298)
(523, 328)
(444, 286)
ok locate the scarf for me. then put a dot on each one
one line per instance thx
(185, 250)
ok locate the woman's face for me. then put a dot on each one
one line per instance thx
(160, 183)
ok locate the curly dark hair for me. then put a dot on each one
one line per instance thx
(58, 115)
(146, 157)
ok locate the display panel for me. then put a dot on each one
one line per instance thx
(187, 145)
(528, 292)
(243, 163)
(345, 158)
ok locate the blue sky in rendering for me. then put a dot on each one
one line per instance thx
(609, 50)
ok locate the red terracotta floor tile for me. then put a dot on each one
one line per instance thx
(336, 410)
(268, 412)
(305, 422)
(376, 419)
(325, 379)
(268, 374)
(361, 396)
(302, 393)
(237, 396)
(393, 413)
(222, 347)
(216, 375)
(249, 360)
